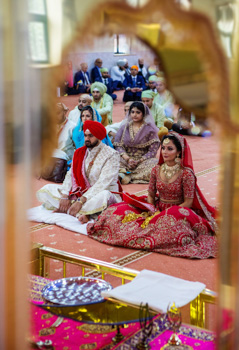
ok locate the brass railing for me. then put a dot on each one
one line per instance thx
(197, 306)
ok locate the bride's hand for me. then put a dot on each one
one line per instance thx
(132, 164)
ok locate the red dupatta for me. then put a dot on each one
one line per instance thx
(78, 159)
(200, 203)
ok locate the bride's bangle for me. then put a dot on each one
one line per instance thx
(65, 198)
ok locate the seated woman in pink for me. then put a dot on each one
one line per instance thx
(175, 220)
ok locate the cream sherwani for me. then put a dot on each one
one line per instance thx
(102, 178)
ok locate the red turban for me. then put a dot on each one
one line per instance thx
(96, 129)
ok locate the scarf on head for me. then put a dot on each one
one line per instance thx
(200, 203)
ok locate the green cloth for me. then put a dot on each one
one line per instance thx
(158, 113)
(104, 70)
(148, 94)
(153, 78)
(100, 86)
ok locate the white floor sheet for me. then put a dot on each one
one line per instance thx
(40, 214)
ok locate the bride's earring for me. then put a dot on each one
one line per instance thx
(178, 160)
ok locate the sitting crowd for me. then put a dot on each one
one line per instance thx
(133, 80)
(99, 155)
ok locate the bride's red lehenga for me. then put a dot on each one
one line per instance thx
(176, 231)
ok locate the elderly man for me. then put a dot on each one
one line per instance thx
(118, 74)
(134, 85)
(156, 110)
(127, 68)
(95, 72)
(74, 115)
(88, 185)
(142, 69)
(82, 79)
(102, 102)
(164, 97)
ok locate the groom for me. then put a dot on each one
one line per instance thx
(86, 190)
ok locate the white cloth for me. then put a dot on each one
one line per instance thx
(114, 127)
(143, 71)
(74, 116)
(117, 74)
(103, 178)
(40, 214)
(156, 289)
(65, 148)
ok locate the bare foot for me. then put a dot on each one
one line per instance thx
(83, 219)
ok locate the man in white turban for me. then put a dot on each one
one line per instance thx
(102, 102)
(117, 73)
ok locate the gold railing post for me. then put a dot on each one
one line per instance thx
(228, 313)
(197, 312)
(41, 264)
(64, 269)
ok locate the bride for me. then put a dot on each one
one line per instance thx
(178, 220)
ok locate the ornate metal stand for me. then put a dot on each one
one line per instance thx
(146, 325)
(174, 317)
(119, 336)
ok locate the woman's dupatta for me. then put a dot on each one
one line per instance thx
(78, 160)
(200, 204)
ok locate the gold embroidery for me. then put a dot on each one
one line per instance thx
(87, 173)
(121, 143)
(89, 346)
(146, 221)
(96, 329)
(46, 316)
(133, 216)
(131, 130)
(47, 331)
(184, 211)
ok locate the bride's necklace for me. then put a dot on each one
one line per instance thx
(170, 171)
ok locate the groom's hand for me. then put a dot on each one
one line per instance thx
(75, 208)
(64, 205)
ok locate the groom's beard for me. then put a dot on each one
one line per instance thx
(91, 145)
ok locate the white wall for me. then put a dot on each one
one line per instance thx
(54, 11)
